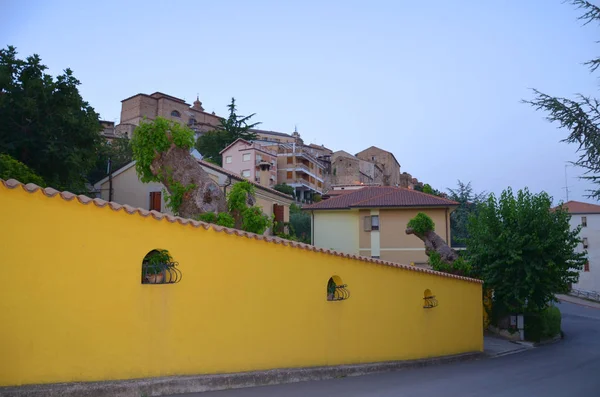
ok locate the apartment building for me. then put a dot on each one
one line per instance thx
(301, 170)
(252, 161)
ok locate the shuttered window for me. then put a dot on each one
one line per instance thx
(367, 223)
(155, 201)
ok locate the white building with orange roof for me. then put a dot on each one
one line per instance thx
(587, 216)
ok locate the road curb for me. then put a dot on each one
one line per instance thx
(201, 383)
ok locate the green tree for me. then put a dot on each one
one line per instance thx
(119, 152)
(284, 188)
(14, 169)
(44, 122)
(524, 250)
(233, 127)
(580, 115)
(459, 218)
(300, 224)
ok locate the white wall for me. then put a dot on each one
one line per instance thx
(336, 230)
(589, 280)
(128, 189)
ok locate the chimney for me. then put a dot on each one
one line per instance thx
(264, 173)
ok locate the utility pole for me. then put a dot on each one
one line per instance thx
(110, 183)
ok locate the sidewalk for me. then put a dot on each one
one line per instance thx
(578, 301)
(494, 346)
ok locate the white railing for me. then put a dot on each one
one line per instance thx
(592, 295)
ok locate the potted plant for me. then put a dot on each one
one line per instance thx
(155, 265)
(331, 290)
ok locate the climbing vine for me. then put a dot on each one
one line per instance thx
(240, 215)
(152, 138)
(178, 193)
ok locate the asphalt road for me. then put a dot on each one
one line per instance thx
(569, 368)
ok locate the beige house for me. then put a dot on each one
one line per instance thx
(371, 221)
(128, 189)
(386, 161)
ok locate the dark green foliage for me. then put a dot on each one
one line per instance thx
(421, 223)
(222, 219)
(178, 193)
(235, 126)
(120, 153)
(250, 219)
(284, 188)
(300, 223)
(459, 267)
(44, 122)
(580, 116)
(151, 138)
(459, 218)
(316, 198)
(543, 325)
(156, 260)
(523, 250)
(13, 169)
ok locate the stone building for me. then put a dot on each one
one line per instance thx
(386, 161)
(348, 169)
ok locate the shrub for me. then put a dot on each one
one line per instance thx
(221, 219)
(543, 325)
(459, 267)
(421, 223)
(14, 169)
(284, 188)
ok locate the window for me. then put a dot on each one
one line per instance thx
(290, 160)
(374, 222)
(584, 221)
(246, 173)
(175, 113)
(228, 159)
(289, 175)
(155, 201)
(246, 157)
(372, 158)
(585, 242)
(586, 267)
(158, 267)
(192, 122)
(371, 222)
(336, 290)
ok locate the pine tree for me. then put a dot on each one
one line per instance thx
(580, 115)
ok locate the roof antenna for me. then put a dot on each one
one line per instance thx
(566, 183)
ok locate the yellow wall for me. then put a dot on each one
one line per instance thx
(337, 230)
(72, 307)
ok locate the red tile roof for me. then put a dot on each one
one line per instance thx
(577, 207)
(381, 196)
(100, 204)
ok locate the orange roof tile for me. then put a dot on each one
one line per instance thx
(577, 207)
(80, 199)
(381, 196)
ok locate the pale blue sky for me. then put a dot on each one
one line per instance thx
(436, 82)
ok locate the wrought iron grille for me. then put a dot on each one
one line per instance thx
(340, 293)
(160, 273)
(430, 302)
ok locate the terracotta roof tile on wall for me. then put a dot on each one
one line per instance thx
(101, 204)
(577, 207)
(381, 196)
